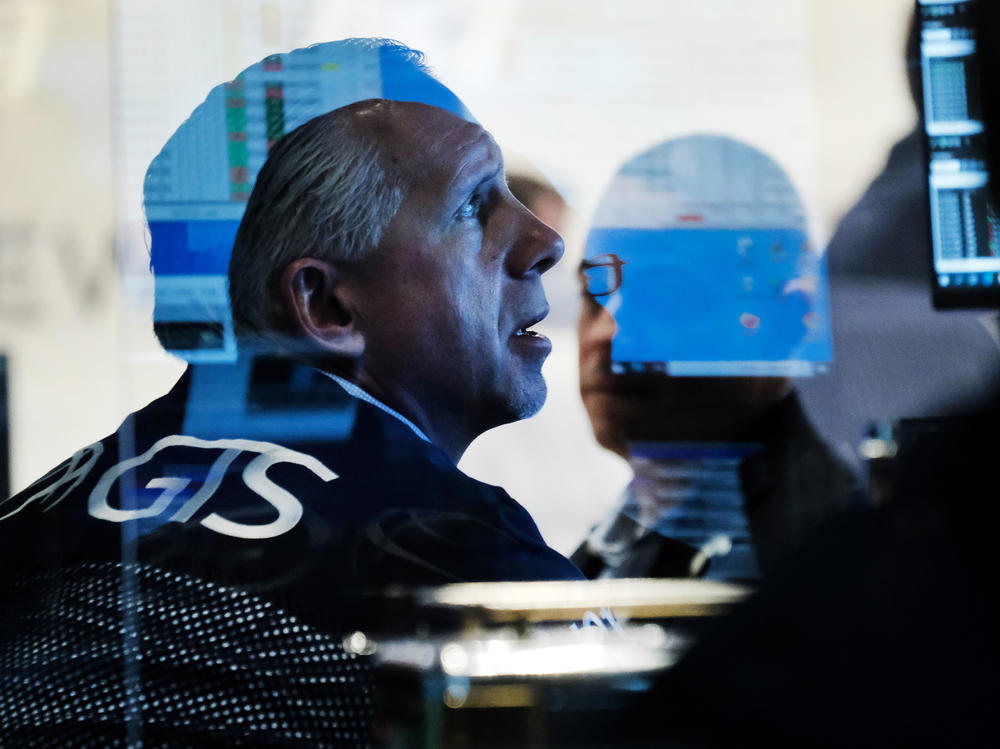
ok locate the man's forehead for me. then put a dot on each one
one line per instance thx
(425, 141)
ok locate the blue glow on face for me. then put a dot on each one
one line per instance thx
(197, 187)
(717, 295)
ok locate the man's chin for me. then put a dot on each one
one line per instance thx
(528, 398)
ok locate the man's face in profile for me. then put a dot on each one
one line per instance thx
(455, 283)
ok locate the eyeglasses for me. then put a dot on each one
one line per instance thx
(601, 275)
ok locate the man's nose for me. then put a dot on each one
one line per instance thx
(537, 246)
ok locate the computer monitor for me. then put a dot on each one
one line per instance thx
(714, 272)
(964, 225)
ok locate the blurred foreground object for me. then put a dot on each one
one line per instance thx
(532, 664)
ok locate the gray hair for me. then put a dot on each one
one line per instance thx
(323, 192)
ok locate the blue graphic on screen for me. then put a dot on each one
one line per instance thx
(728, 297)
(719, 276)
(197, 187)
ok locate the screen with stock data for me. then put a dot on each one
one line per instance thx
(965, 228)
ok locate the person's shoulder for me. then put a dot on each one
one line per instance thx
(390, 451)
(434, 524)
(57, 516)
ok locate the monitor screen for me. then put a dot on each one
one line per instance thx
(965, 227)
(715, 274)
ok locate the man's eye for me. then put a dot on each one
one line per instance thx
(471, 208)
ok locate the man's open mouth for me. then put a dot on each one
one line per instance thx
(525, 331)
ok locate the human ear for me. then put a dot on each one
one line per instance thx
(314, 303)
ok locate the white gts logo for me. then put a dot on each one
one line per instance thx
(254, 476)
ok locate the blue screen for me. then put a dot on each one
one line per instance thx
(718, 301)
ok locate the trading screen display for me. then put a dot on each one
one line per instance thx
(965, 227)
(719, 275)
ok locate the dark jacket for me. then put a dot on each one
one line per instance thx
(790, 487)
(225, 482)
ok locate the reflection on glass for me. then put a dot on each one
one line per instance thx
(722, 278)
(703, 296)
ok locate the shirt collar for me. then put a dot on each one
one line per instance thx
(360, 394)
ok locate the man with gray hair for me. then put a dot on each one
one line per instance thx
(187, 580)
(384, 284)
(410, 276)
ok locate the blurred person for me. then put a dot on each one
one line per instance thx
(701, 296)
(882, 632)
(386, 283)
(879, 261)
(539, 197)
